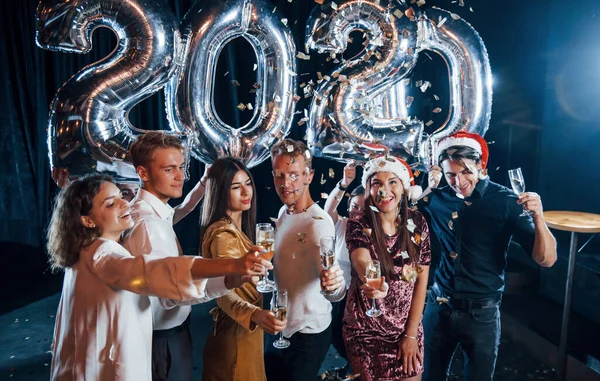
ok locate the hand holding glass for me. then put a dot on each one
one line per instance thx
(373, 275)
(327, 246)
(518, 185)
(279, 305)
(265, 237)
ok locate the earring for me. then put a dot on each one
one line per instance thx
(93, 226)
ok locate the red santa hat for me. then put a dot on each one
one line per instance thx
(467, 139)
(396, 166)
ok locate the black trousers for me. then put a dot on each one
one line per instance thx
(337, 317)
(301, 361)
(172, 354)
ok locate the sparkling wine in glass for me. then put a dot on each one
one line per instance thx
(518, 185)
(373, 275)
(279, 305)
(265, 238)
(327, 248)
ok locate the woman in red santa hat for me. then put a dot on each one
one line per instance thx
(386, 342)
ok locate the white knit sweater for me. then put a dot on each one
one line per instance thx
(297, 267)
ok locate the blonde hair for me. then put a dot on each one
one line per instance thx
(292, 148)
(142, 150)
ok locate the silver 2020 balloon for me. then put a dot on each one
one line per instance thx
(88, 128)
(206, 29)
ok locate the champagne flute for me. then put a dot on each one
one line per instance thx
(327, 248)
(265, 237)
(374, 280)
(279, 305)
(518, 185)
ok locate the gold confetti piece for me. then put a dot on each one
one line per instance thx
(323, 181)
(303, 56)
(273, 219)
(374, 208)
(302, 121)
(429, 123)
(451, 225)
(284, 21)
(409, 273)
(416, 238)
(416, 173)
(333, 6)
(290, 72)
(319, 1)
(301, 237)
(426, 199)
(410, 13)
(318, 218)
(425, 86)
(420, 3)
(296, 98)
(241, 107)
(324, 195)
(437, 110)
(331, 173)
(441, 300)
(454, 16)
(419, 83)
(454, 215)
(235, 83)
(409, 101)
(453, 255)
(289, 148)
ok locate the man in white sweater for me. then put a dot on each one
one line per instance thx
(297, 267)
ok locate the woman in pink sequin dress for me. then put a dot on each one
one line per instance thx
(390, 346)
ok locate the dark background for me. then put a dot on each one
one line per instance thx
(545, 59)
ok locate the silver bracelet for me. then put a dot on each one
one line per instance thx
(411, 337)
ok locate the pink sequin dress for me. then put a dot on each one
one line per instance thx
(372, 343)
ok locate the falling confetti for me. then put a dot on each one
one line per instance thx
(241, 107)
(303, 56)
(324, 195)
(235, 83)
(437, 110)
(284, 21)
(301, 237)
(323, 181)
(273, 219)
(331, 173)
(374, 208)
(410, 225)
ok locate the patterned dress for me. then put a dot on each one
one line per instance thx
(372, 343)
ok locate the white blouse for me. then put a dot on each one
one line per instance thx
(103, 328)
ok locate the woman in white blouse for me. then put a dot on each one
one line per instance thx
(103, 327)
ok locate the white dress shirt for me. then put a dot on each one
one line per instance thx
(153, 234)
(103, 328)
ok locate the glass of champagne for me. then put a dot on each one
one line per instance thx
(373, 275)
(327, 246)
(279, 305)
(518, 185)
(265, 238)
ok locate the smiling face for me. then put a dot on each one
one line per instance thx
(109, 213)
(386, 191)
(463, 176)
(128, 191)
(165, 174)
(240, 193)
(291, 177)
(357, 204)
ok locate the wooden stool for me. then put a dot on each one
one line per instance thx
(574, 222)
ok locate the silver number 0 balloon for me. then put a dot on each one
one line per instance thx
(207, 28)
(88, 126)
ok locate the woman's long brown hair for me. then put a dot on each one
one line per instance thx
(403, 242)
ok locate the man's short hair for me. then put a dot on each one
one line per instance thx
(292, 148)
(459, 153)
(142, 150)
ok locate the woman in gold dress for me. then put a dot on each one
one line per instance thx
(234, 348)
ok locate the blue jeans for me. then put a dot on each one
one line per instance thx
(477, 330)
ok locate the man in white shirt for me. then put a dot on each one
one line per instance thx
(158, 159)
(297, 266)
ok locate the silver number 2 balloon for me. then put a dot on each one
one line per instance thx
(360, 110)
(207, 28)
(88, 126)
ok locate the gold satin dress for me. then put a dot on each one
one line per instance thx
(234, 348)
